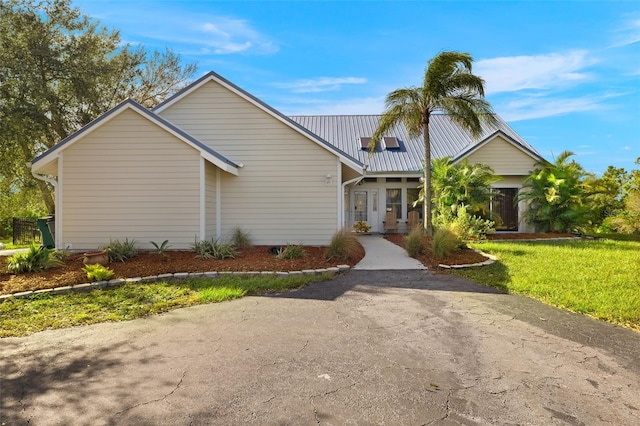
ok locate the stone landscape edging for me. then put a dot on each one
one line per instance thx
(490, 259)
(164, 277)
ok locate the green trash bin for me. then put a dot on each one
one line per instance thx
(47, 238)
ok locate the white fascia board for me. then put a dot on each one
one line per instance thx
(495, 135)
(219, 164)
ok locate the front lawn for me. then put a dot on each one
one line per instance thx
(599, 278)
(21, 317)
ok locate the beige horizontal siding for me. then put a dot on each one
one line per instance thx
(130, 179)
(280, 194)
(504, 158)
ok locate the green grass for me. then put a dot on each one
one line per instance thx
(599, 278)
(21, 317)
(8, 243)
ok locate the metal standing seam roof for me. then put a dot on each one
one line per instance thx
(447, 139)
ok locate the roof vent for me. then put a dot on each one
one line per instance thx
(391, 142)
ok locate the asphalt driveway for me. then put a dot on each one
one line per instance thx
(371, 347)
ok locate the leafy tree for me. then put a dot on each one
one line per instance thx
(59, 70)
(607, 194)
(556, 195)
(628, 220)
(454, 185)
(448, 86)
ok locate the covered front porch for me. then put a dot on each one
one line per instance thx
(374, 199)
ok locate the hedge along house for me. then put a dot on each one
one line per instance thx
(213, 157)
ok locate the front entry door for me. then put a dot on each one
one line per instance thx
(365, 209)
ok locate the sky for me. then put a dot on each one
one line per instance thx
(564, 74)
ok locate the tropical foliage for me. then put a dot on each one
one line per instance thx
(465, 225)
(448, 86)
(556, 195)
(34, 260)
(465, 183)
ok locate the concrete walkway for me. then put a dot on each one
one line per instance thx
(11, 252)
(384, 255)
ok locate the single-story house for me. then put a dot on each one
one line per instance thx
(214, 157)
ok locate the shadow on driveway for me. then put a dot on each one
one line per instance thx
(408, 279)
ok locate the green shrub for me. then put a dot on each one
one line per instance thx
(343, 246)
(212, 249)
(119, 251)
(98, 272)
(414, 242)
(291, 251)
(240, 238)
(466, 225)
(35, 260)
(361, 227)
(445, 242)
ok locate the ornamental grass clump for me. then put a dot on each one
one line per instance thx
(213, 249)
(240, 238)
(119, 251)
(343, 246)
(291, 251)
(414, 242)
(445, 242)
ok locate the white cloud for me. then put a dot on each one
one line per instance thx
(547, 71)
(206, 35)
(320, 84)
(351, 106)
(628, 33)
(230, 35)
(533, 107)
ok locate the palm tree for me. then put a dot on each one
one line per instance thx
(556, 195)
(449, 86)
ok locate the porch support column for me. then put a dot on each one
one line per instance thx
(203, 211)
(218, 204)
(340, 192)
(58, 240)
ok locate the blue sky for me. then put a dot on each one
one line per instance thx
(564, 75)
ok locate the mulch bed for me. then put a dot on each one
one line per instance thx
(252, 259)
(145, 264)
(465, 256)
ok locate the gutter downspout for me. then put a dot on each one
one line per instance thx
(54, 183)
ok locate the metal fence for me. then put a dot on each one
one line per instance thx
(25, 231)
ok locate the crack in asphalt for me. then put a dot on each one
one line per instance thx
(304, 346)
(184, 373)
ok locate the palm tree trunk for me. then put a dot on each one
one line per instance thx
(428, 226)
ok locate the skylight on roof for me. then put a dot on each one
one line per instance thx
(365, 143)
(391, 142)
